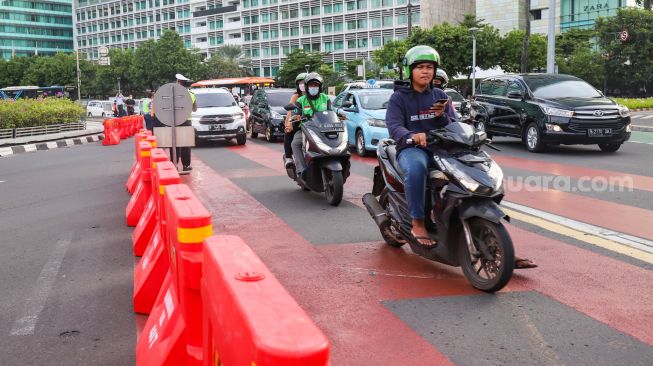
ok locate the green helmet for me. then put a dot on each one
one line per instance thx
(300, 77)
(419, 54)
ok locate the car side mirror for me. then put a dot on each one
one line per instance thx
(241, 104)
(289, 107)
(347, 104)
(515, 95)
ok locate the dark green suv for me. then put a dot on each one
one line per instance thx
(549, 109)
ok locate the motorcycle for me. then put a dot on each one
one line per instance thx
(462, 206)
(325, 154)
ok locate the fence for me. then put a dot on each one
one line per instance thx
(9, 133)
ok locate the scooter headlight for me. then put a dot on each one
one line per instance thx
(464, 179)
(496, 174)
(325, 147)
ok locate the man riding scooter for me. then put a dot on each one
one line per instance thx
(415, 109)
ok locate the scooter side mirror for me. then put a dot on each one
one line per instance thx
(289, 107)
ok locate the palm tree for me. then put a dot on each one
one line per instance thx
(234, 53)
(471, 21)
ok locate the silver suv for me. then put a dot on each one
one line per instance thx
(218, 116)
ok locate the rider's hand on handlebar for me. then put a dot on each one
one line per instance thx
(420, 139)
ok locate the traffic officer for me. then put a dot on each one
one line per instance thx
(184, 152)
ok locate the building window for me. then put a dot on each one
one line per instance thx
(376, 42)
(337, 27)
(351, 44)
(362, 24)
(362, 4)
(362, 43)
(294, 31)
(387, 21)
(536, 14)
(402, 19)
(375, 23)
(337, 8)
(306, 12)
(285, 32)
(315, 10)
(315, 28)
(328, 27)
(387, 2)
(274, 51)
(351, 5)
(328, 46)
(351, 25)
(328, 9)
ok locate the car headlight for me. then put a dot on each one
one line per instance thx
(238, 115)
(553, 127)
(276, 115)
(558, 112)
(376, 122)
(624, 111)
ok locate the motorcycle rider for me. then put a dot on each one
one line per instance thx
(288, 129)
(412, 112)
(311, 102)
(441, 79)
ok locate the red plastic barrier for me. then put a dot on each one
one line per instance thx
(153, 266)
(111, 137)
(136, 168)
(124, 131)
(145, 227)
(249, 317)
(189, 223)
(143, 189)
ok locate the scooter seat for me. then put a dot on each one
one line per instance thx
(392, 155)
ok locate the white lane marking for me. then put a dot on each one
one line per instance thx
(36, 301)
(51, 144)
(621, 238)
(633, 116)
(2, 181)
(648, 117)
(30, 147)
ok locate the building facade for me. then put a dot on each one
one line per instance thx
(267, 30)
(32, 27)
(507, 15)
(434, 12)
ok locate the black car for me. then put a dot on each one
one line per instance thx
(549, 109)
(267, 114)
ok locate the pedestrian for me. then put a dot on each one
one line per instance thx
(184, 152)
(130, 103)
(148, 113)
(120, 105)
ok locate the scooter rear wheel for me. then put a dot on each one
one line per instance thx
(389, 234)
(489, 263)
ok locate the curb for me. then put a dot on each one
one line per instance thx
(12, 150)
(642, 128)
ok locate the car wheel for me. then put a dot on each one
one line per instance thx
(610, 147)
(251, 129)
(482, 126)
(268, 134)
(241, 139)
(360, 143)
(533, 138)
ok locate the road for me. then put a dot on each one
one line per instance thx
(642, 118)
(587, 304)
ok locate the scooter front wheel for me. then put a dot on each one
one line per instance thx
(333, 186)
(489, 261)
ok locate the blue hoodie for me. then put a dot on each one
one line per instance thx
(408, 113)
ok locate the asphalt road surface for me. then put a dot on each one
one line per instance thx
(68, 265)
(642, 118)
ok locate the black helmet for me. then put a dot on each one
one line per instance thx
(313, 77)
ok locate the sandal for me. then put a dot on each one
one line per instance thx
(523, 263)
(425, 241)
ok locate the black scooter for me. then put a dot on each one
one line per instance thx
(462, 206)
(325, 153)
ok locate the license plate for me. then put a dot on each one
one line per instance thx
(593, 132)
(216, 127)
(331, 127)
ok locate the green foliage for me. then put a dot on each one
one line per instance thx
(294, 65)
(32, 112)
(511, 48)
(633, 103)
(12, 71)
(391, 54)
(471, 21)
(585, 64)
(220, 67)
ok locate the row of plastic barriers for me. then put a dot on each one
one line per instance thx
(210, 299)
(116, 129)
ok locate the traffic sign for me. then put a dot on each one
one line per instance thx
(173, 104)
(623, 35)
(104, 51)
(104, 61)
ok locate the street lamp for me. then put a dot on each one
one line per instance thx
(307, 67)
(118, 84)
(473, 30)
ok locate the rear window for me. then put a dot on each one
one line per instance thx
(551, 88)
(279, 99)
(209, 100)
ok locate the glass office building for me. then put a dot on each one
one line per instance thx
(30, 27)
(267, 30)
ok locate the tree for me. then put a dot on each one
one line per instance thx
(220, 67)
(628, 64)
(527, 36)
(12, 71)
(294, 65)
(391, 54)
(585, 64)
(60, 69)
(511, 49)
(471, 21)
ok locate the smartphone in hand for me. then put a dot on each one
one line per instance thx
(441, 101)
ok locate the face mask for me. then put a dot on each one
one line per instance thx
(313, 91)
(302, 87)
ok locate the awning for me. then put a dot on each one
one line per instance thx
(233, 81)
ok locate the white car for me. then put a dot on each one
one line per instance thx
(362, 84)
(218, 116)
(95, 108)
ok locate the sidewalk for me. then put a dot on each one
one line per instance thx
(92, 133)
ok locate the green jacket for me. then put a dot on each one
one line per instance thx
(321, 104)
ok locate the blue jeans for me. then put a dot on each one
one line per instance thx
(415, 163)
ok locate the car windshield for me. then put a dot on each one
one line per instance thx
(375, 100)
(209, 100)
(549, 88)
(279, 99)
(455, 96)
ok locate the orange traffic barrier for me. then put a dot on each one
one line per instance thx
(143, 189)
(145, 227)
(122, 122)
(173, 332)
(249, 317)
(111, 136)
(136, 168)
(150, 272)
